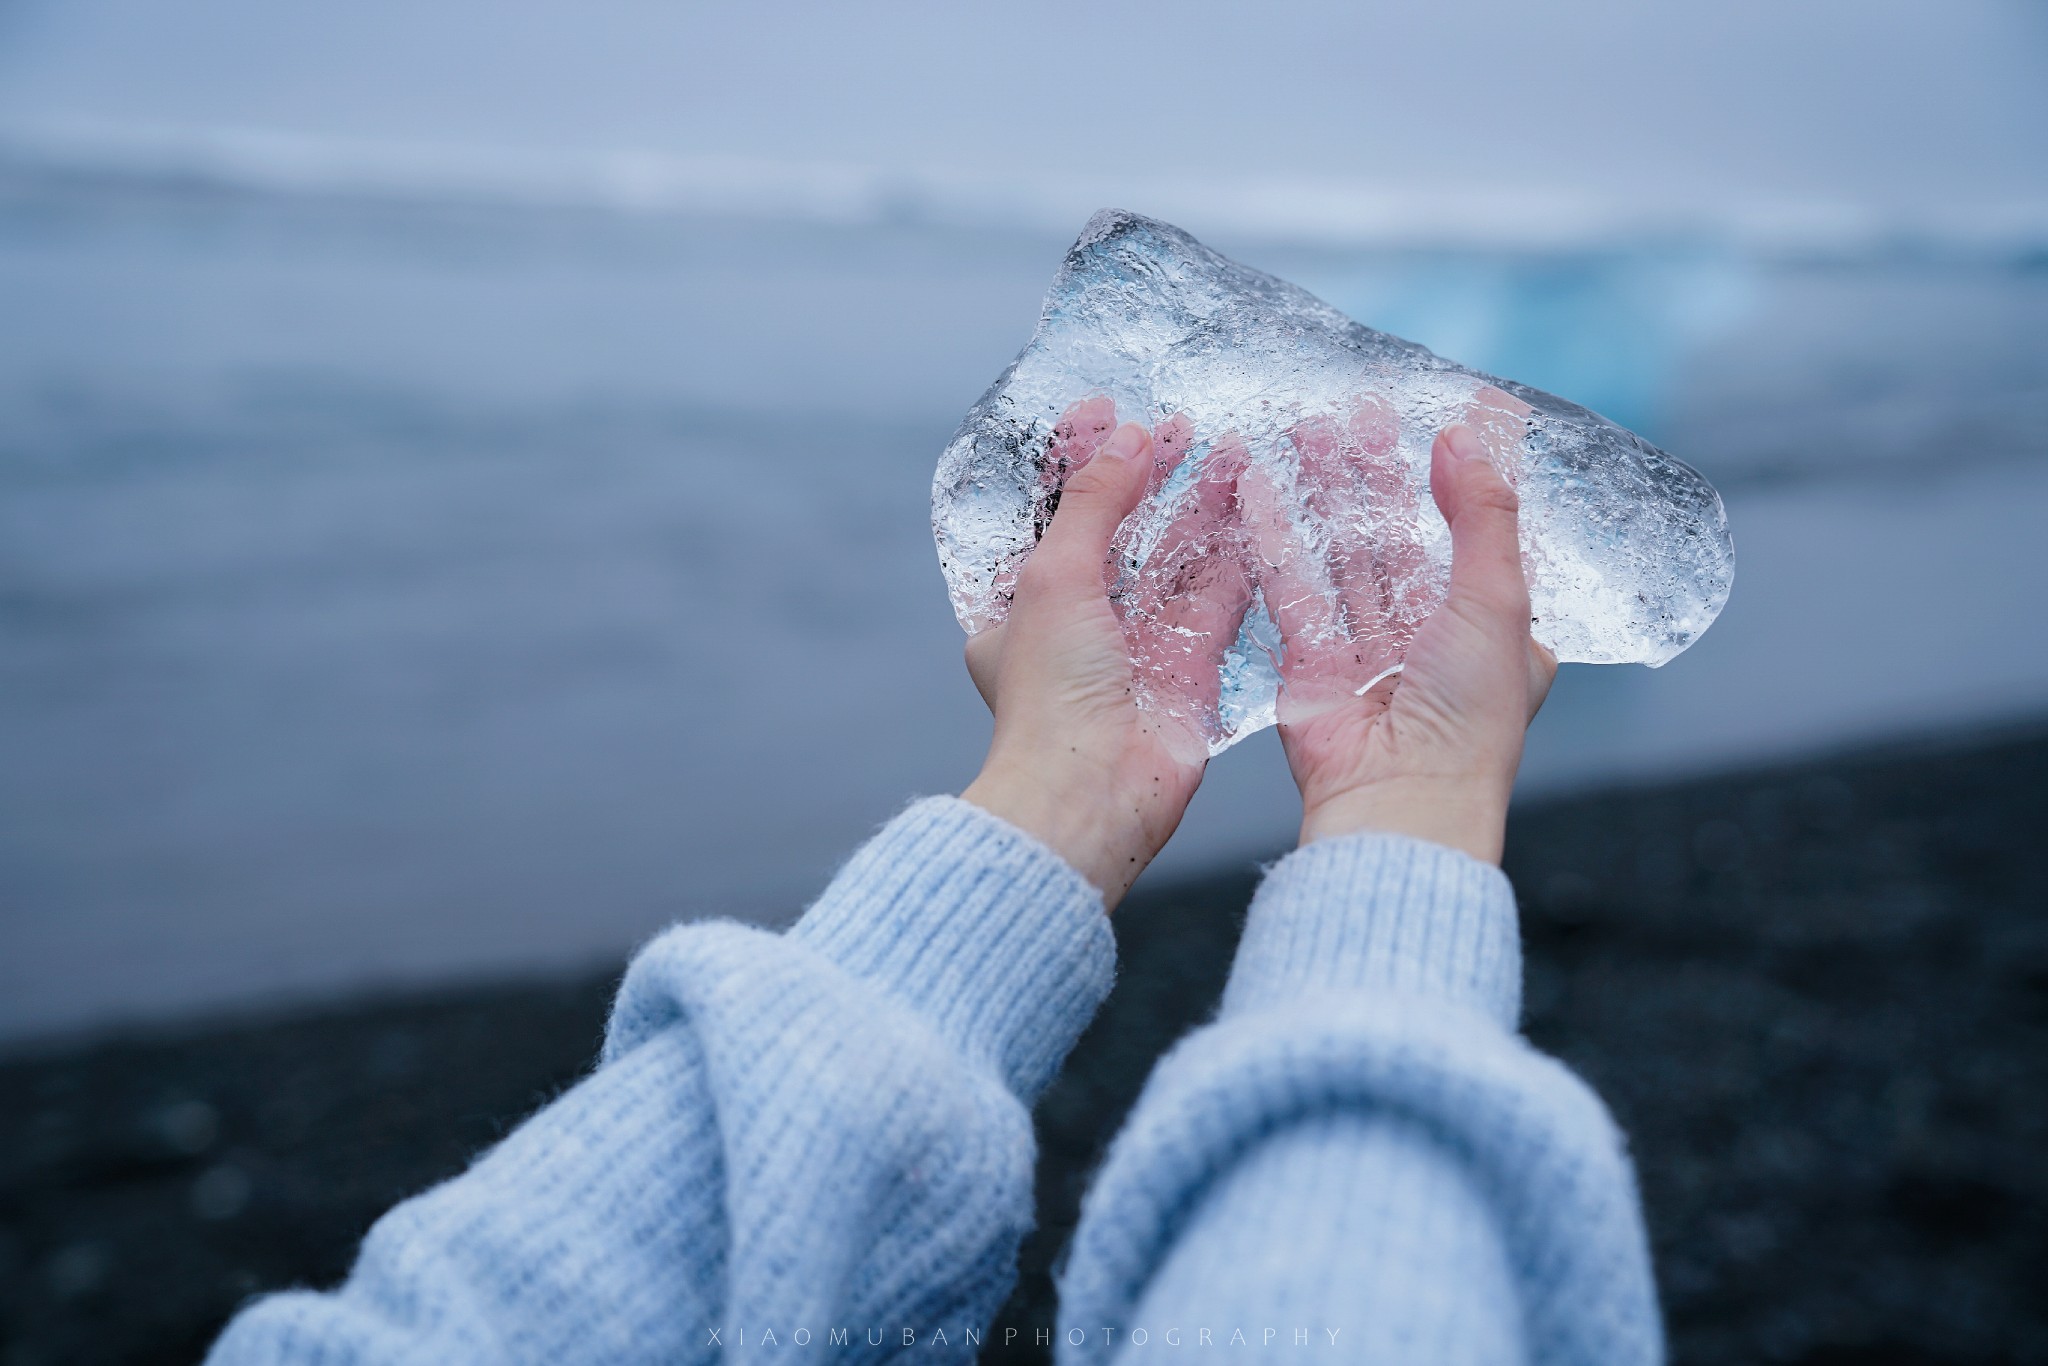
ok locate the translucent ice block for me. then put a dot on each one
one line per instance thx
(1289, 538)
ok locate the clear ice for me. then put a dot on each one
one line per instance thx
(1288, 546)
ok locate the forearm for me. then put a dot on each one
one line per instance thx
(1361, 1142)
(820, 1130)
(592, 1232)
(1354, 1233)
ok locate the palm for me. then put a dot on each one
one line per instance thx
(1336, 748)
(1151, 764)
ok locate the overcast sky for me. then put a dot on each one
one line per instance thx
(1882, 103)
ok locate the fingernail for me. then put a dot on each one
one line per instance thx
(1465, 443)
(1125, 442)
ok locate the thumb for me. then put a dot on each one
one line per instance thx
(1486, 549)
(1095, 500)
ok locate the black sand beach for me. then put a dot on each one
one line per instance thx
(1816, 997)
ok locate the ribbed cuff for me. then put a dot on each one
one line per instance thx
(1369, 912)
(977, 926)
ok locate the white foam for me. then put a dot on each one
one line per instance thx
(1332, 212)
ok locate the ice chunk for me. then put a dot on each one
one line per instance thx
(1289, 547)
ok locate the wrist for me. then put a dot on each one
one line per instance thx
(1463, 814)
(1086, 832)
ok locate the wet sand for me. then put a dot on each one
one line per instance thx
(1816, 996)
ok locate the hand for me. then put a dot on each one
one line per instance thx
(1075, 760)
(1432, 751)
(1344, 605)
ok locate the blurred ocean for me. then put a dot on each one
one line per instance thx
(409, 575)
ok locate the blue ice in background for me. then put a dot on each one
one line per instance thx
(464, 469)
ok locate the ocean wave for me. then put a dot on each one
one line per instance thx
(1318, 213)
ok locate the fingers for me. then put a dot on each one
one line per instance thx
(1359, 494)
(1499, 418)
(1079, 433)
(1322, 666)
(1296, 591)
(1081, 430)
(1373, 428)
(1170, 442)
(1094, 502)
(1189, 598)
(1482, 510)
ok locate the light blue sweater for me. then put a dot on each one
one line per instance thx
(819, 1143)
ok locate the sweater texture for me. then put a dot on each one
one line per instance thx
(818, 1143)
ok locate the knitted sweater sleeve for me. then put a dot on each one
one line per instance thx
(1360, 1154)
(798, 1139)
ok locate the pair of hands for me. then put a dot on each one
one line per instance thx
(1430, 752)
